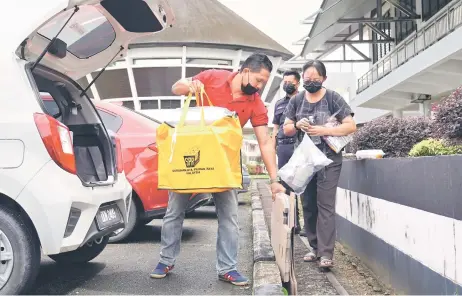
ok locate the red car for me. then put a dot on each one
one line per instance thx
(137, 134)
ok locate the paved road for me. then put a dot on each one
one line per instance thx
(124, 268)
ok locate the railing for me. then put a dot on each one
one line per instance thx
(439, 26)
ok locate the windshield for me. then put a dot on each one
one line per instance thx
(88, 32)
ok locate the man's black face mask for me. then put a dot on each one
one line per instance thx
(289, 88)
(248, 89)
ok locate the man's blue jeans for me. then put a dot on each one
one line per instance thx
(226, 204)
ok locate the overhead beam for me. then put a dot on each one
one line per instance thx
(359, 41)
(378, 31)
(376, 20)
(404, 9)
(365, 57)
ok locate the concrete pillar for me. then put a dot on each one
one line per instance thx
(425, 108)
(418, 10)
(398, 113)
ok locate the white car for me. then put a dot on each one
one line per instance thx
(62, 185)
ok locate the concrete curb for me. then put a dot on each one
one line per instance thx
(266, 275)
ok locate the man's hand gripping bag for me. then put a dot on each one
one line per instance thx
(200, 158)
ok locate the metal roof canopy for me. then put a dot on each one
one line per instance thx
(326, 27)
(339, 21)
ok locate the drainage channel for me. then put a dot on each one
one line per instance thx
(329, 274)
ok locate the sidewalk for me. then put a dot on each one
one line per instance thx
(310, 280)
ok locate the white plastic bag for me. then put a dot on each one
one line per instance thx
(304, 163)
(336, 143)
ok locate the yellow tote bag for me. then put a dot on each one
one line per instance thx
(200, 158)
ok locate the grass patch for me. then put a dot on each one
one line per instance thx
(259, 177)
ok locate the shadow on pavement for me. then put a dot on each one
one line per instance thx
(59, 279)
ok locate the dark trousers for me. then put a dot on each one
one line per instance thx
(284, 152)
(319, 207)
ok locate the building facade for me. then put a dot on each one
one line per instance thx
(143, 80)
(413, 50)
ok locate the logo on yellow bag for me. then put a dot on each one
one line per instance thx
(192, 158)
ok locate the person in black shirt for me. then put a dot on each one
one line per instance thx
(285, 144)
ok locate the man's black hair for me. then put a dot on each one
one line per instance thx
(256, 62)
(318, 65)
(292, 73)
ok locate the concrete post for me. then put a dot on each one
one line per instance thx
(425, 108)
(398, 113)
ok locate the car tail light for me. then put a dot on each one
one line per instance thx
(120, 159)
(153, 147)
(57, 140)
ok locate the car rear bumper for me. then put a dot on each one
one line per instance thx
(63, 211)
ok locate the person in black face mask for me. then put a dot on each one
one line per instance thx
(306, 116)
(285, 144)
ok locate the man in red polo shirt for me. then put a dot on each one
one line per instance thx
(237, 92)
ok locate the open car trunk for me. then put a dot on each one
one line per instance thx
(93, 146)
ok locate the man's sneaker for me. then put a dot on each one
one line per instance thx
(161, 271)
(234, 278)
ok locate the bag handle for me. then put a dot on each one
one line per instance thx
(187, 104)
(202, 98)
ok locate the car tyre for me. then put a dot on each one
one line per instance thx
(129, 226)
(83, 254)
(21, 245)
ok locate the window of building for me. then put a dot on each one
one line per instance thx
(170, 104)
(152, 82)
(431, 7)
(193, 102)
(404, 29)
(205, 61)
(113, 84)
(129, 104)
(149, 104)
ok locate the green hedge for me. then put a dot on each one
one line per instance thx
(434, 147)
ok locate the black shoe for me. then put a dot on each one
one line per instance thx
(303, 233)
(297, 230)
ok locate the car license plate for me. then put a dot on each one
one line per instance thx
(107, 216)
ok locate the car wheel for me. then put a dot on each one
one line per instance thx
(83, 254)
(121, 234)
(19, 254)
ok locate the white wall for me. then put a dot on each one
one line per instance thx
(430, 239)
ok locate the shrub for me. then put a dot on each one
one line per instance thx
(448, 118)
(433, 147)
(395, 136)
